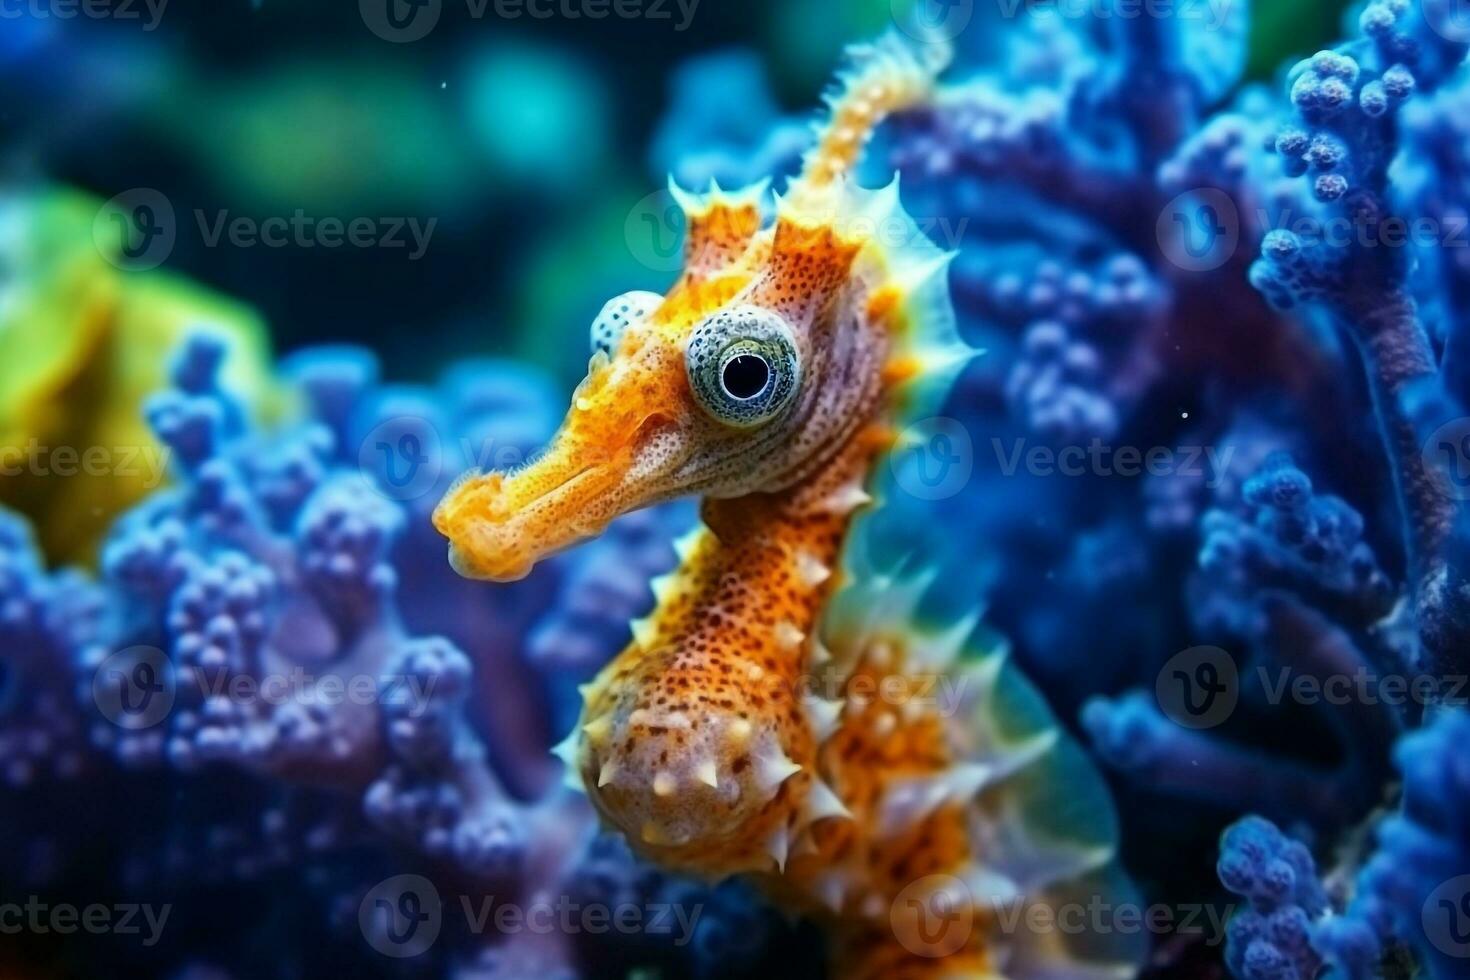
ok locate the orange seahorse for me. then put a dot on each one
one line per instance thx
(776, 715)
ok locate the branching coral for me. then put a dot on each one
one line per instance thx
(47, 622)
(1279, 879)
(1355, 263)
(275, 638)
(1357, 266)
(1410, 891)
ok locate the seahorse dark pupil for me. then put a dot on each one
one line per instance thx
(746, 376)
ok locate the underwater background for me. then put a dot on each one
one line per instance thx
(273, 275)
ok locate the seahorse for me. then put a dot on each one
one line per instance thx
(781, 712)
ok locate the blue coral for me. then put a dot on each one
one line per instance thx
(1270, 939)
(1356, 109)
(49, 623)
(1285, 537)
(1407, 893)
(1412, 889)
(1094, 148)
(326, 672)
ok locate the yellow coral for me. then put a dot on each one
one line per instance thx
(82, 342)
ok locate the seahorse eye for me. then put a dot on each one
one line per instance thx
(743, 366)
(617, 313)
(745, 376)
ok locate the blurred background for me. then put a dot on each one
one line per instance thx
(527, 142)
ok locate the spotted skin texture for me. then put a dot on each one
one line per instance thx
(636, 434)
(708, 695)
(719, 227)
(879, 85)
(608, 327)
(861, 874)
(744, 731)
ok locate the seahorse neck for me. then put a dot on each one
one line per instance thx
(769, 558)
(697, 738)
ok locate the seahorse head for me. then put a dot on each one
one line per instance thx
(776, 343)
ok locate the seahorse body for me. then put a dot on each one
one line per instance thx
(786, 711)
